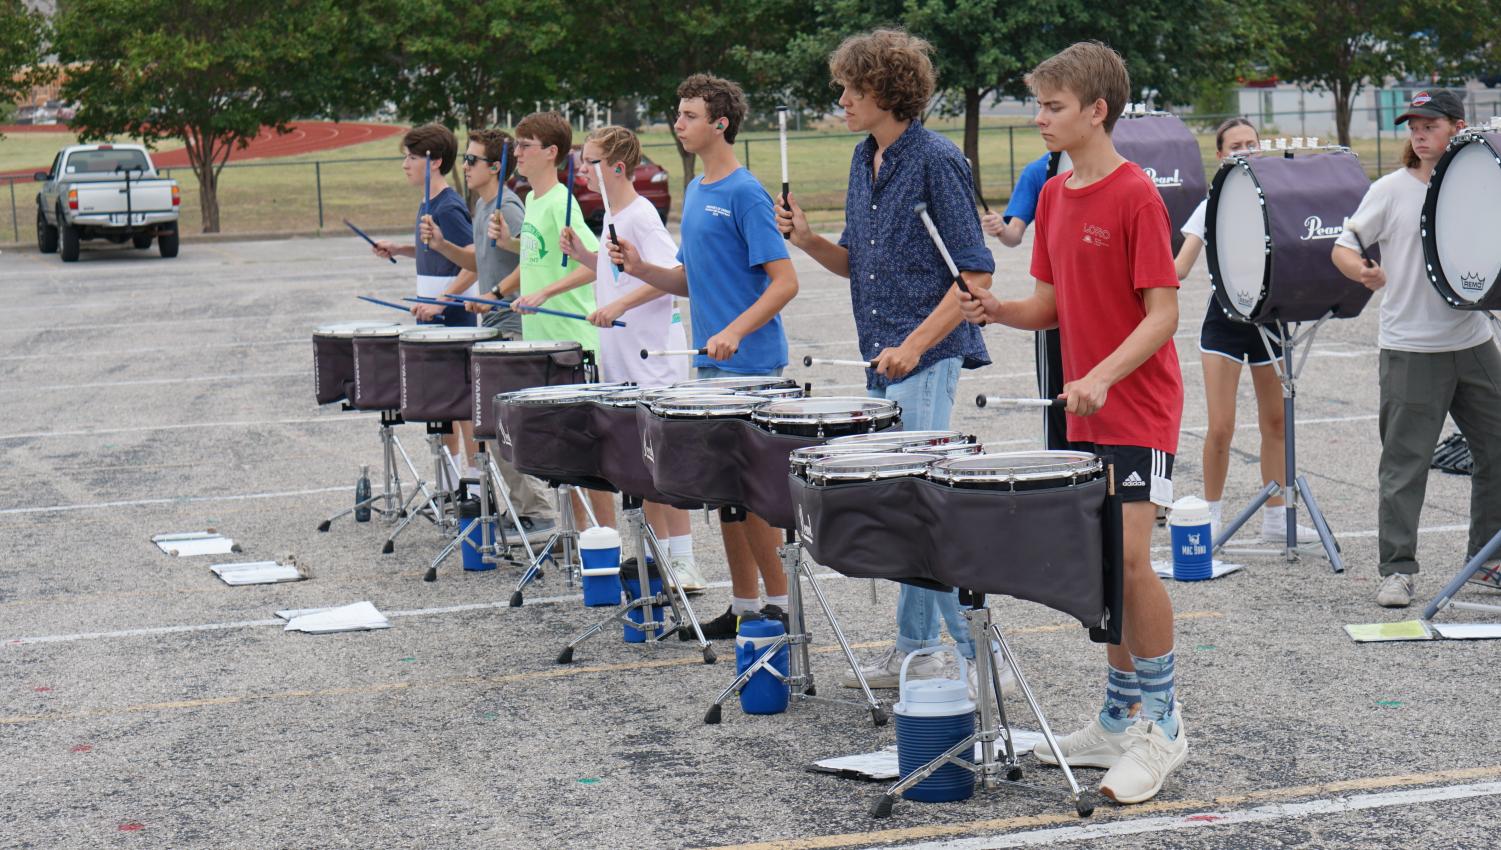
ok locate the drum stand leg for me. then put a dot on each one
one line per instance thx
(1445, 597)
(997, 766)
(491, 549)
(433, 499)
(672, 595)
(799, 676)
(1289, 367)
(567, 535)
(388, 501)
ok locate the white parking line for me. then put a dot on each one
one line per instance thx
(345, 418)
(205, 379)
(171, 500)
(187, 346)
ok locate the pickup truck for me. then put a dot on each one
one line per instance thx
(105, 192)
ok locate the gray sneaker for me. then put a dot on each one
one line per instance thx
(1488, 576)
(1395, 591)
(886, 672)
(537, 530)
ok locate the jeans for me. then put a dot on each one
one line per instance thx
(707, 372)
(927, 399)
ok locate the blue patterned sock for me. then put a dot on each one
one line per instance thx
(1121, 692)
(1156, 677)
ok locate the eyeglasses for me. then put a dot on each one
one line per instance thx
(528, 144)
(470, 159)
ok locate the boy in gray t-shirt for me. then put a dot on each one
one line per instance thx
(493, 264)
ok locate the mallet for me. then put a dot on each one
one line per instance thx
(500, 194)
(674, 352)
(427, 185)
(987, 400)
(782, 138)
(830, 361)
(543, 310)
(365, 236)
(1350, 226)
(568, 201)
(604, 197)
(383, 303)
(974, 183)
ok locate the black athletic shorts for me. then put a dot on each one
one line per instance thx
(1237, 341)
(1141, 474)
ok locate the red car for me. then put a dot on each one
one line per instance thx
(650, 182)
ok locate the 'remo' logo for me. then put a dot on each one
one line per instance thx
(1166, 180)
(1316, 230)
(1472, 282)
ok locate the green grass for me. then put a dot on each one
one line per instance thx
(281, 194)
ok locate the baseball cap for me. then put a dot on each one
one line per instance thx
(1437, 104)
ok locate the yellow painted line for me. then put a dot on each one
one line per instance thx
(559, 672)
(1109, 813)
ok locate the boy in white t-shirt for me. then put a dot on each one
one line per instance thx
(652, 319)
(1435, 361)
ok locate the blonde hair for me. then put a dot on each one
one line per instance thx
(617, 144)
(1090, 71)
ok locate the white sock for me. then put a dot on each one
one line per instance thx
(779, 601)
(680, 548)
(1273, 515)
(744, 606)
(1214, 511)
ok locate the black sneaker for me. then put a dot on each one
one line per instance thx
(723, 627)
(775, 612)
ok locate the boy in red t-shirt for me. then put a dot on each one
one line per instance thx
(1103, 262)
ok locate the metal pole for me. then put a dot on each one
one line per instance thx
(318, 180)
(1378, 141)
(747, 155)
(1011, 144)
(15, 221)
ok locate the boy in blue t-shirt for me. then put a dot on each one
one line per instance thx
(737, 273)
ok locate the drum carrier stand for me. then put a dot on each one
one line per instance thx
(391, 502)
(493, 548)
(1289, 367)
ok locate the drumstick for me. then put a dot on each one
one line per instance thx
(500, 194)
(568, 201)
(974, 183)
(365, 236)
(830, 361)
(383, 303)
(427, 185)
(1350, 226)
(674, 352)
(604, 198)
(984, 400)
(782, 136)
(543, 310)
(927, 221)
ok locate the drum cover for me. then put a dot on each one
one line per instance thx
(619, 452)
(333, 359)
(377, 370)
(1044, 545)
(1269, 229)
(435, 378)
(1462, 223)
(505, 366)
(558, 442)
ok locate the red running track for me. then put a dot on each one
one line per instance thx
(305, 137)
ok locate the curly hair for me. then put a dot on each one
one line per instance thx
(891, 65)
(1090, 71)
(433, 140)
(617, 144)
(724, 99)
(495, 140)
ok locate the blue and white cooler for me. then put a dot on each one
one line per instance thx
(933, 716)
(599, 548)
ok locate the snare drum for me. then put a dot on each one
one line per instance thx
(715, 406)
(824, 418)
(1461, 223)
(1014, 471)
(736, 384)
(333, 359)
(800, 458)
(377, 368)
(845, 469)
(549, 432)
(1269, 227)
(436, 382)
(504, 366)
(904, 438)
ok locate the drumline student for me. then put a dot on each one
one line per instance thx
(543, 141)
(1435, 361)
(1009, 227)
(735, 268)
(652, 320)
(428, 154)
(488, 266)
(1104, 274)
(907, 320)
(1224, 344)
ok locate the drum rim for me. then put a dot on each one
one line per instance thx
(856, 439)
(429, 335)
(519, 346)
(348, 330)
(944, 470)
(1211, 256)
(744, 404)
(916, 465)
(881, 406)
(717, 384)
(551, 394)
(1428, 233)
(380, 332)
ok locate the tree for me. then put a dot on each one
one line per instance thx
(23, 46)
(1341, 47)
(212, 72)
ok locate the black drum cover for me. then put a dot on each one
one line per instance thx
(1044, 545)
(377, 373)
(620, 459)
(333, 368)
(1269, 231)
(1462, 222)
(496, 372)
(558, 442)
(1169, 153)
(435, 383)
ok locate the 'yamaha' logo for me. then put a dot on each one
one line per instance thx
(1472, 282)
(1317, 230)
(1164, 180)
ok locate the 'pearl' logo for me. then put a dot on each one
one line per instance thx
(1164, 181)
(1317, 230)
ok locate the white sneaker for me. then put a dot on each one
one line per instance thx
(887, 672)
(1092, 746)
(1008, 680)
(688, 575)
(1148, 761)
(1395, 591)
(1275, 531)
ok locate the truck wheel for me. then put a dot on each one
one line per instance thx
(69, 240)
(46, 234)
(166, 242)
(141, 241)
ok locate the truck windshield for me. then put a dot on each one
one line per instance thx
(107, 161)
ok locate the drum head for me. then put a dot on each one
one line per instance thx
(947, 450)
(778, 393)
(347, 330)
(1465, 222)
(746, 384)
(380, 330)
(806, 455)
(623, 398)
(423, 335)
(813, 410)
(869, 467)
(558, 394)
(1240, 239)
(903, 438)
(518, 346)
(706, 406)
(1011, 468)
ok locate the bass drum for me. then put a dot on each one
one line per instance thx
(1168, 152)
(1269, 228)
(1462, 222)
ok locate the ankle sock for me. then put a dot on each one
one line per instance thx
(681, 547)
(1155, 676)
(1122, 690)
(744, 606)
(779, 601)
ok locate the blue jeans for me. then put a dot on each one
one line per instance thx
(927, 399)
(707, 372)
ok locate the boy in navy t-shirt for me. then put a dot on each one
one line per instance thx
(737, 273)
